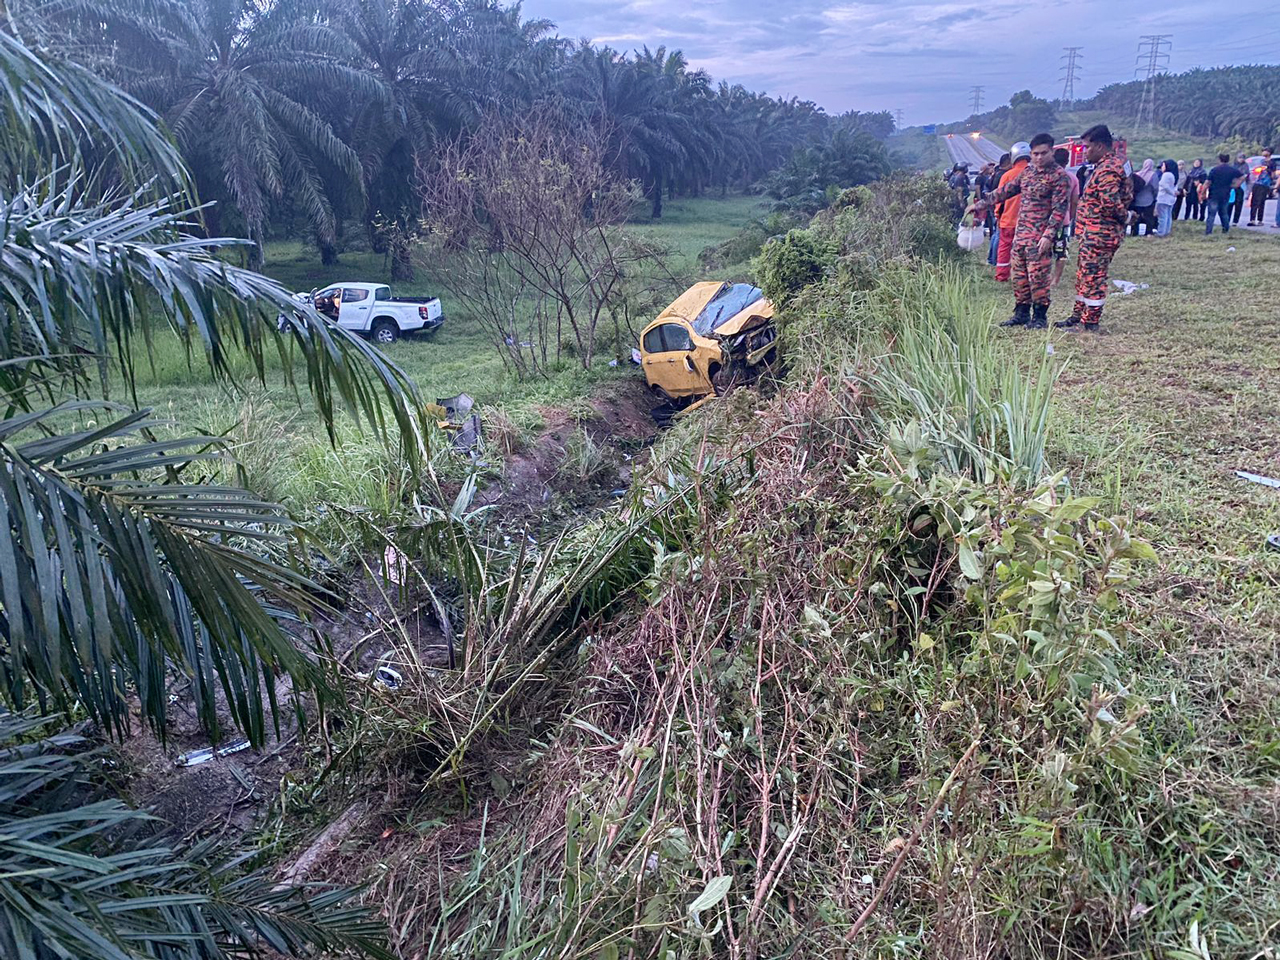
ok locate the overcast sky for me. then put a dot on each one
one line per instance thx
(922, 58)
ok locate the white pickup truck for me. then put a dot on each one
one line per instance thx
(370, 309)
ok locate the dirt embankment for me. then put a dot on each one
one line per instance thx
(579, 462)
(582, 458)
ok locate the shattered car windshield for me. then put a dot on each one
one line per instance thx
(724, 306)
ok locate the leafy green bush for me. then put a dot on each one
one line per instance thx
(789, 264)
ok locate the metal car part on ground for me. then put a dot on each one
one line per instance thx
(713, 337)
(460, 423)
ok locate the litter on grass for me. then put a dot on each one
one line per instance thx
(197, 757)
(1258, 478)
(1127, 287)
(461, 422)
(396, 565)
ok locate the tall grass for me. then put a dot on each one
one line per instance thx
(975, 405)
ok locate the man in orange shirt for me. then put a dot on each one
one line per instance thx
(1007, 212)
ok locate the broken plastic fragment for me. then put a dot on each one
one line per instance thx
(396, 565)
(388, 677)
(1127, 286)
(1258, 478)
(197, 757)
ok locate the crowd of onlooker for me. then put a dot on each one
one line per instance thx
(1161, 195)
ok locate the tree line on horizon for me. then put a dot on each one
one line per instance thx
(299, 116)
(1240, 103)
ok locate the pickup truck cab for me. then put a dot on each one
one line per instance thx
(370, 309)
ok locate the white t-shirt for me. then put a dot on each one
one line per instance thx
(1168, 192)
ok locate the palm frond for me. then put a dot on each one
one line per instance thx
(75, 880)
(89, 278)
(113, 572)
(54, 108)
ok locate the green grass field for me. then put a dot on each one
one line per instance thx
(689, 226)
(1154, 416)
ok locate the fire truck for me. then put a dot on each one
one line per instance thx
(1076, 148)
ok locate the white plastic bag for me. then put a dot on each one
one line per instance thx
(971, 237)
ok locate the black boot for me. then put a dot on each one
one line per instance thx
(1021, 316)
(1039, 316)
(1071, 321)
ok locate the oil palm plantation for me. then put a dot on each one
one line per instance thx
(248, 89)
(442, 65)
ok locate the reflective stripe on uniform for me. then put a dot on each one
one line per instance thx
(1091, 303)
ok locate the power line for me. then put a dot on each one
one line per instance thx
(1073, 56)
(1153, 56)
(975, 92)
(897, 119)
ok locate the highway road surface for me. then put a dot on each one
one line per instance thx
(974, 151)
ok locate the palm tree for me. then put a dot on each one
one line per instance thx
(245, 88)
(84, 879)
(635, 101)
(114, 569)
(442, 65)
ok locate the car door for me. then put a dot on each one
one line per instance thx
(328, 301)
(356, 304)
(670, 362)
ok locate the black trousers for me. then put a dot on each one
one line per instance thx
(1258, 204)
(1237, 207)
(1194, 208)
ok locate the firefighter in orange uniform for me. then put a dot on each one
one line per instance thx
(1100, 221)
(1007, 212)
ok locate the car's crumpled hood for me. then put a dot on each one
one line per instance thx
(717, 310)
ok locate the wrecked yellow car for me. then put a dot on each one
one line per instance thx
(711, 338)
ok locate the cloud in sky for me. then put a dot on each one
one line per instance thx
(922, 58)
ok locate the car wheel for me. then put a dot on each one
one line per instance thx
(384, 331)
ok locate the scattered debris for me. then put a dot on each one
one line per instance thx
(636, 356)
(461, 422)
(1273, 541)
(1258, 478)
(396, 565)
(388, 677)
(1231, 249)
(1127, 287)
(197, 757)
